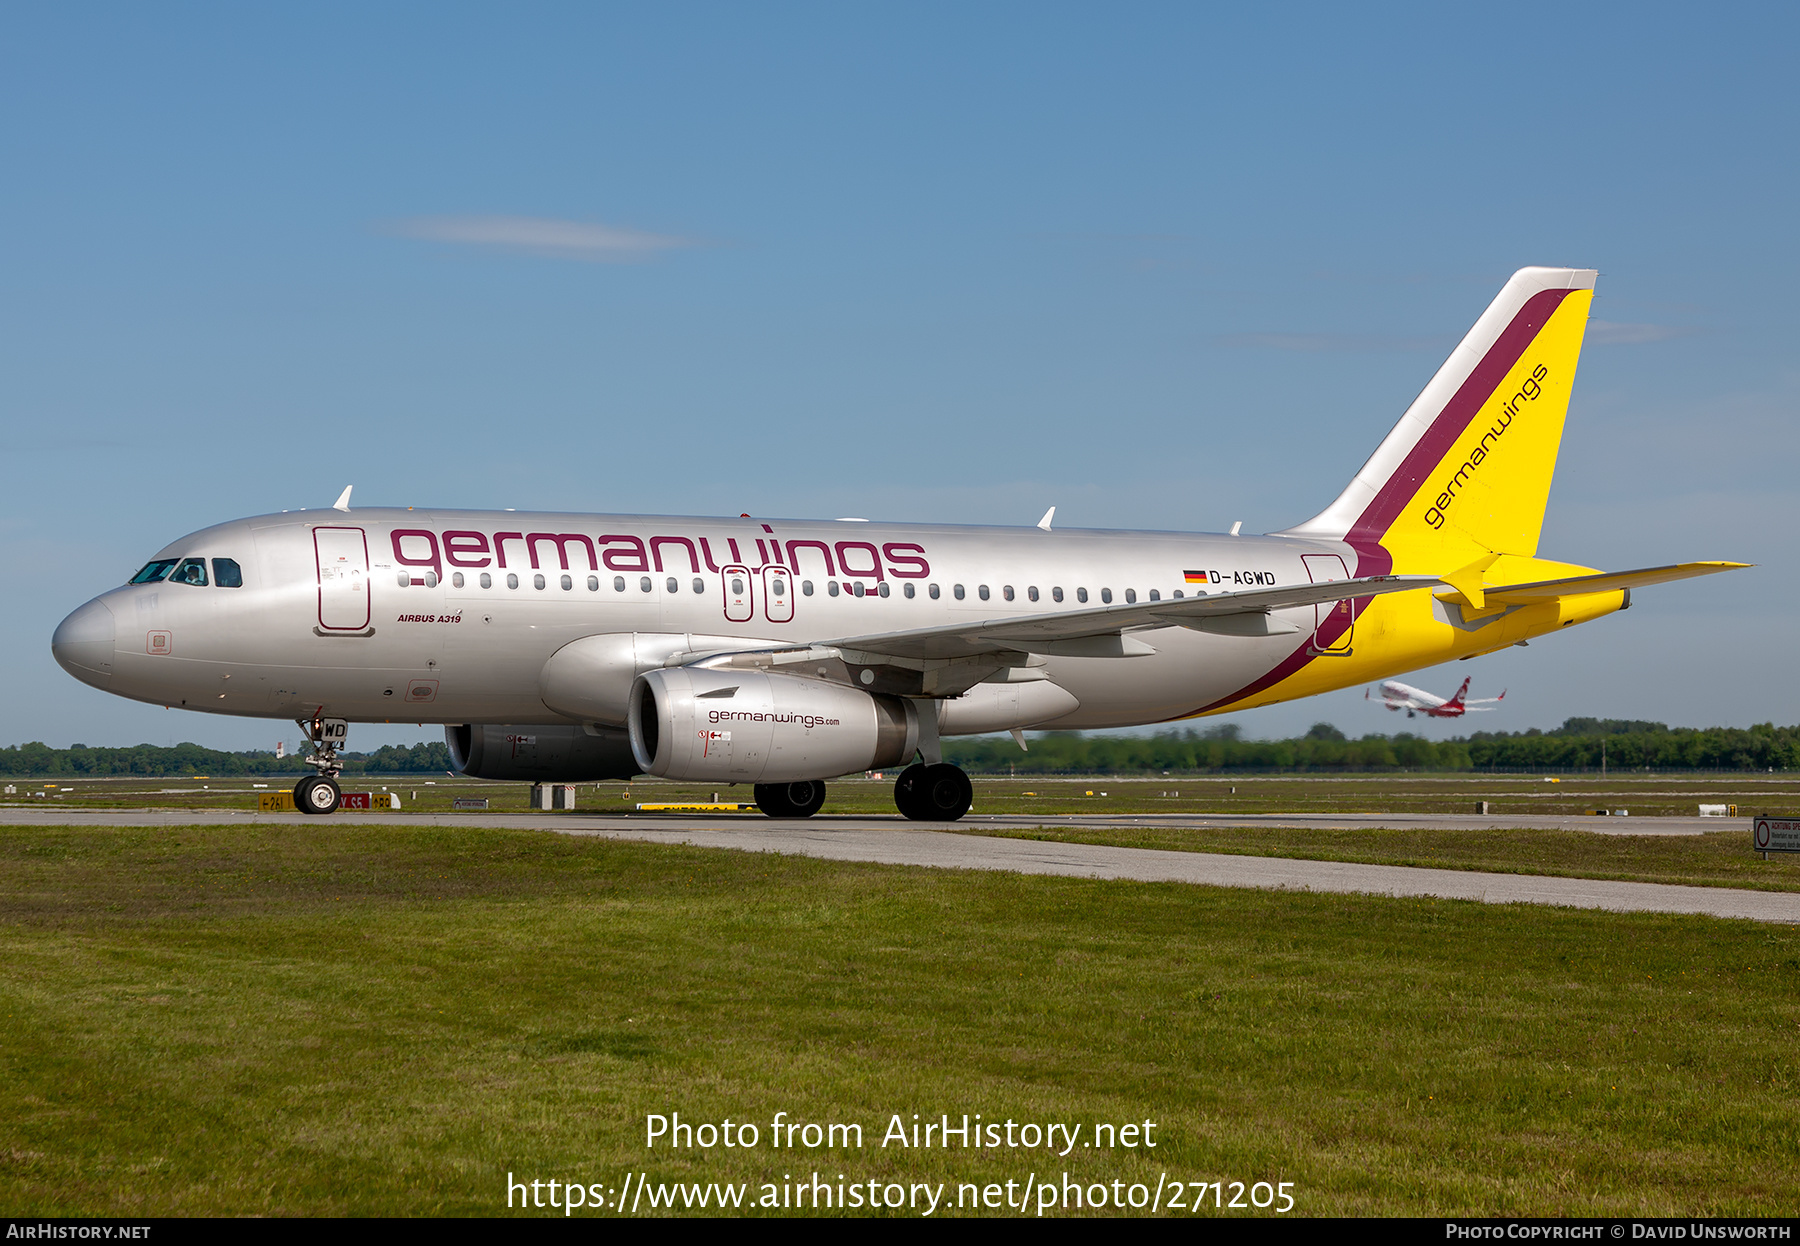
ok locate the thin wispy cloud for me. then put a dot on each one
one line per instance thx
(1313, 343)
(589, 241)
(1612, 333)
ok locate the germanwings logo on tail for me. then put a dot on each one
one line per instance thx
(1530, 391)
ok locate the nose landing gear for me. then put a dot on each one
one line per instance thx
(316, 793)
(319, 793)
(940, 793)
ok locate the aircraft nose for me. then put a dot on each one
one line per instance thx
(83, 643)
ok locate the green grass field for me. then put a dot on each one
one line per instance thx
(366, 1019)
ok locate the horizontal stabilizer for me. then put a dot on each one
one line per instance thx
(1604, 582)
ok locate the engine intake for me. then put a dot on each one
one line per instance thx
(754, 727)
(542, 753)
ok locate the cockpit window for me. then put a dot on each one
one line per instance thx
(153, 571)
(191, 571)
(227, 574)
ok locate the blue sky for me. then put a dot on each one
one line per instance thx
(1161, 266)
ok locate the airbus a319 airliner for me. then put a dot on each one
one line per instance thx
(782, 653)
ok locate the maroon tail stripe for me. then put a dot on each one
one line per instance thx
(1456, 416)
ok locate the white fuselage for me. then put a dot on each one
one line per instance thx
(451, 616)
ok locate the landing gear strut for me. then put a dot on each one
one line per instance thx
(790, 800)
(318, 793)
(940, 793)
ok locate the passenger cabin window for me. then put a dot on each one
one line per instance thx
(1056, 594)
(856, 588)
(909, 590)
(983, 590)
(537, 581)
(831, 588)
(1155, 596)
(1131, 597)
(933, 590)
(593, 584)
(1032, 592)
(1007, 592)
(153, 571)
(805, 588)
(674, 585)
(1177, 594)
(191, 571)
(737, 585)
(567, 583)
(487, 581)
(644, 584)
(700, 587)
(618, 584)
(958, 591)
(882, 588)
(512, 581)
(1081, 595)
(227, 574)
(456, 580)
(1106, 596)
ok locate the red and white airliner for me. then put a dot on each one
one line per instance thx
(1398, 696)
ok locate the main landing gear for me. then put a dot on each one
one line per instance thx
(790, 800)
(940, 793)
(318, 793)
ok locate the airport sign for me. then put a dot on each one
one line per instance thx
(1775, 835)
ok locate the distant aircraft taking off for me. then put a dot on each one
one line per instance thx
(781, 653)
(1398, 696)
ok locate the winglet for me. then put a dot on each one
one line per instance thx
(343, 502)
(1044, 523)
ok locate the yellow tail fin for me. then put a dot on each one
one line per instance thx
(1467, 470)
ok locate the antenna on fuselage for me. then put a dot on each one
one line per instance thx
(1044, 523)
(1237, 527)
(343, 502)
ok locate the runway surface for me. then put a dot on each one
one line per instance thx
(894, 841)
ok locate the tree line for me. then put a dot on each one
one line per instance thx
(81, 761)
(1579, 744)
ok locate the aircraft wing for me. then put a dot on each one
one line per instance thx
(1064, 631)
(1605, 582)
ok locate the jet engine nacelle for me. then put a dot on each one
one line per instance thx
(541, 753)
(753, 727)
